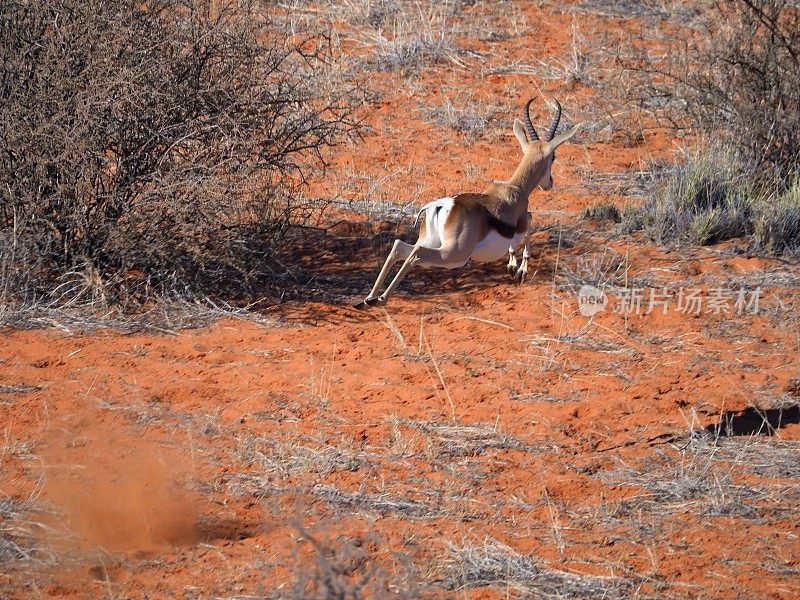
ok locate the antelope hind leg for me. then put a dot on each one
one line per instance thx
(400, 251)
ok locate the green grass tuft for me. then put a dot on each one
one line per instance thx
(713, 198)
(778, 228)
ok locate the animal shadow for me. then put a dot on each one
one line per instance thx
(754, 421)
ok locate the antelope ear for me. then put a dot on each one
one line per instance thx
(560, 139)
(519, 132)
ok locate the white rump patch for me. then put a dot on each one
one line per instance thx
(435, 214)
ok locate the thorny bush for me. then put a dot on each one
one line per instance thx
(156, 147)
(732, 70)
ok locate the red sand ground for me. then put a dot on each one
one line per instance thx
(191, 464)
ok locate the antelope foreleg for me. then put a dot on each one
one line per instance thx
(512, 260)
(522, 272)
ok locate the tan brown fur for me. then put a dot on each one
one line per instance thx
(501, 203)
(489, 210)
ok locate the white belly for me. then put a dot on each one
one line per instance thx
(494, 246)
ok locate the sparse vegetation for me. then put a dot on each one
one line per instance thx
(497, 565)
(735, 76)
(344, 568)
(18, 534)
(707, 478)
(482, 439)
(470, 119)
(633, 218)
(418, 38)
(778, 227)
(708, 200)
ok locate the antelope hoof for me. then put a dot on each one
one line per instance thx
(379, 301)
(521, 275)
(365, 304)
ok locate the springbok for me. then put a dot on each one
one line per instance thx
(483, 227)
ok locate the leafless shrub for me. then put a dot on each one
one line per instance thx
(735, 74)
(348, 568)
(156, 146)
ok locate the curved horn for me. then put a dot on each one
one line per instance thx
(556, 120)
(532, 135)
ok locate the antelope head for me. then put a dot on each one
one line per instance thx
(540, 154)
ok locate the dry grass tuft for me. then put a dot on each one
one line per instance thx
(462, 116)
(604, 211)
(18, 389)
(703, 479)
(381, 503)
(498, 566)
(713, 198)
(166, 316)
(468, 440)
(285, 459)
(20, 535)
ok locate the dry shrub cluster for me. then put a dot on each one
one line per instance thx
(731, 72)
(743, 81)
(156, 147)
